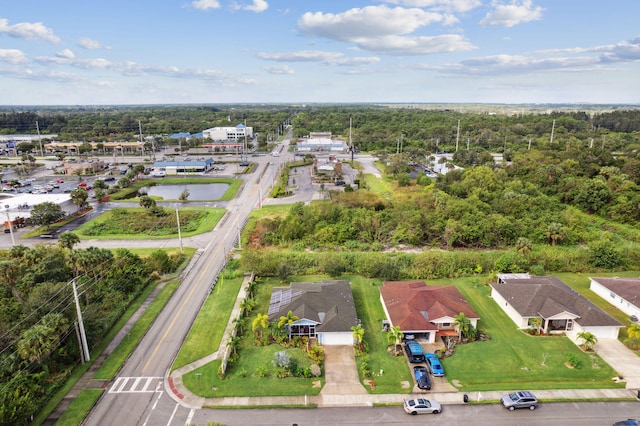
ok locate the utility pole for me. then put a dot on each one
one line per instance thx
(458, 136)
(179, 232)
(13, 240)
(553, 128)
(83, 337)
(39, 139)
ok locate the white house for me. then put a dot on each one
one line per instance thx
(561, 309)
(623, 293)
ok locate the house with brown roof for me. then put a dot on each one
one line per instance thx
(561, 309)
(425, 311)
(325, 309)
(623, 293)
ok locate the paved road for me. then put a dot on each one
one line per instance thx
(139, 395)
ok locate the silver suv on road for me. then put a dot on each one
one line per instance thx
(520, 399)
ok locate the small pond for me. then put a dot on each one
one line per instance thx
(197, 191)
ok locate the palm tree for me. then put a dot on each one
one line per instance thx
(634, 332)
(588, 340)
(535, 323)
(252, 286)
(233, 343)
(395, 336)
(462, 324)
(261, 322)
(247, 305)
(288, 321)
(68, 240)
(240, 322)
(358, 334)
(523, 246)
(555, 232)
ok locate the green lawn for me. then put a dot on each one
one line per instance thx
(369, 308)
(378, 185)
(117, 223)
(206, 333)
(512, 359)
(78, 409)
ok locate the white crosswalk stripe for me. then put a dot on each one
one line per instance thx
(136, 385)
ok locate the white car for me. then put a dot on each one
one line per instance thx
(421, 406)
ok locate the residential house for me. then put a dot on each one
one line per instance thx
(561, 309)
(427, 312)
(325, 309)
(623, 293)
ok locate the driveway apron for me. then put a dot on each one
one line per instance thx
(621, 359)
(341, 372)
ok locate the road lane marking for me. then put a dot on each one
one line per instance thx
(130, 385)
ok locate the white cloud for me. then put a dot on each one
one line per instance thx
(425, 45)
(13, 56)
(28, 31)
(205, 4)
(280, 69)
(385, 30)
(66, 53)
(368, 22)
(87, 43)
(509, 15)
(327, 58)
(443, 5)
(258, 6)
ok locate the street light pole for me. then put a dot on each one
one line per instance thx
(13, 240)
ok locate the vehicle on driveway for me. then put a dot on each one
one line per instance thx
(421, 406)
(434, 365)
(414, 351)
(422, 377)
(520, 399)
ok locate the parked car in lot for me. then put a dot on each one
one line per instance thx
(414, 351)
(520, 399)
(434, 365)
(421, 406)
(628, 422)
(422, 377)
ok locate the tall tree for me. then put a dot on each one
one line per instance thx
(287, 321)
(79, 197)
(68, 240)
(395, 336)
(260, 323)
(44, 214)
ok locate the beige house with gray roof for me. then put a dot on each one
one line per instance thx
(561, 309)
(623, 293)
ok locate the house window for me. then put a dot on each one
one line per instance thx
(308, 330)
(569, 325)
(612, 295)
(446, 324)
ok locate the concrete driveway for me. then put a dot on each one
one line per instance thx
(621, 359)
(341, 374)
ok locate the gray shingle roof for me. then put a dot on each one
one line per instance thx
(627, 288)
(327, 303)
(548, 296)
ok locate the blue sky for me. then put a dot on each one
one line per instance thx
(69, 52)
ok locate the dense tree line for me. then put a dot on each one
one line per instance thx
(37, 314)
(372, 127)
